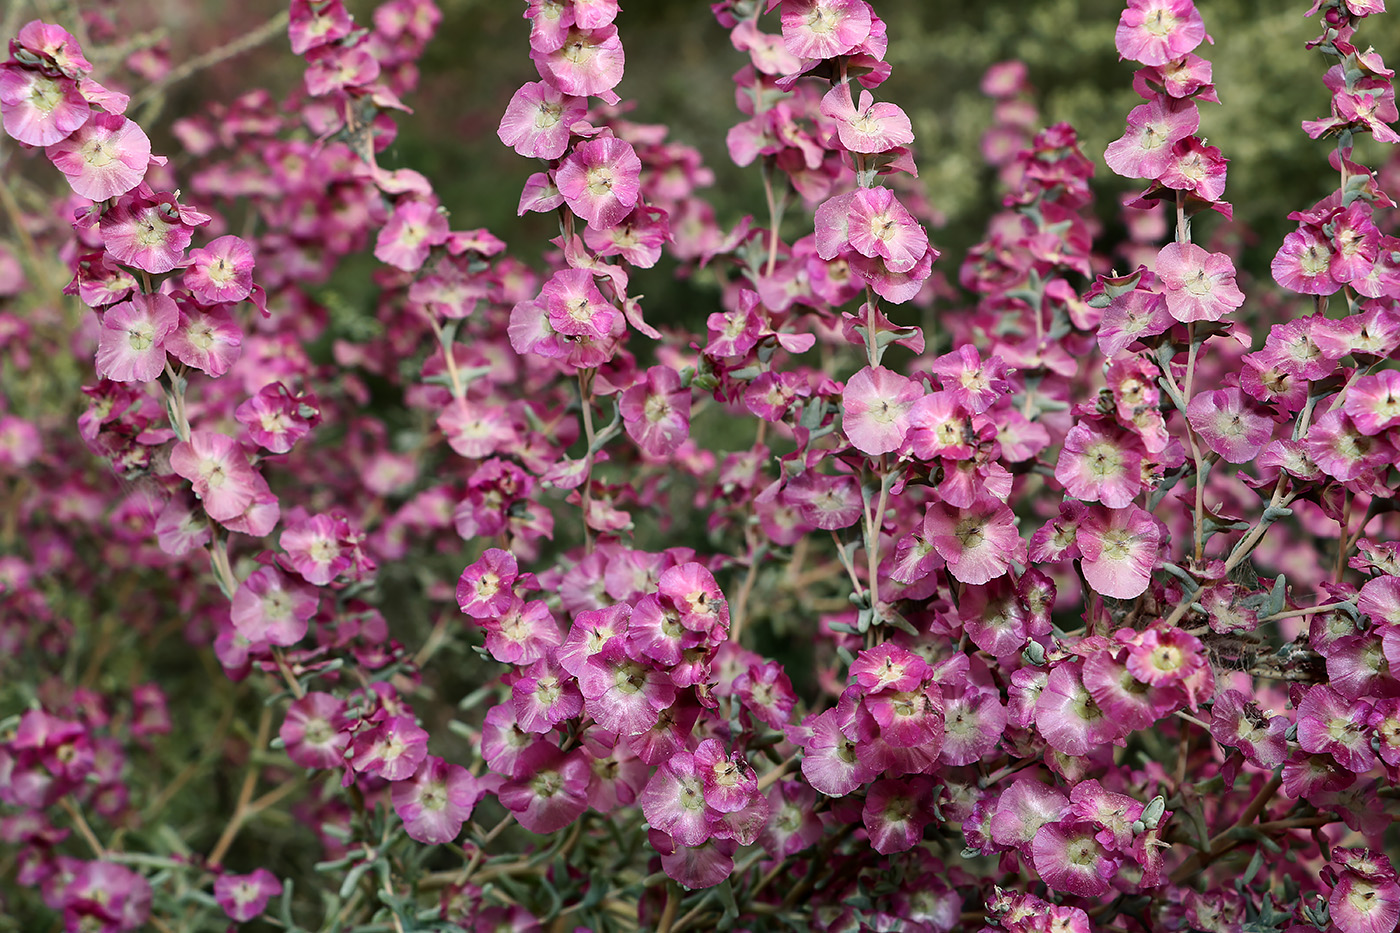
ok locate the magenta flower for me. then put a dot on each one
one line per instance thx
(575, 306)
(314, 548)
(979, 543)
(435, 801)
(828, 502)
(39, 109)
(600, 181)
(131, 347)
(1197, 168)
(869, 128)
(221, 271)
(537, 120)
(974, 721)
(1200, 286)
(484, 589)
(276, 419)
(107, 897)
(145, 233)
(105, 157)
(656, 411)
(1373, 402)
(875, 409)
(1145, 150)
(817, 29)
(673, 801)
(1330, 724)
(545, 696)
(1364, 904)
(1230, 424)
(1067, 715)
(1154, 32)
(269, 607)
(1303, 263)
(1070, 859)
(316, 731)
(244, 897)
(392, 749)
(1342, 451)
(1022, 809)
(623, 695)
(219, 472)
(551, 790)
(896, 812)
(589, 61)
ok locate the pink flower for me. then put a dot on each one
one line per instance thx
(218, 469)
(1100, 465)
(1156, 31)
(148, 232)
(656, 412)
(1067, 715)
(537, 120)
(875, 409)
(545, 696)
(276, 419)
(1362, 904)
(551, 791)
(244, 897)
(316, 731)
(879, 226)
(392, 749)
(896, 812)
(208, 341)
(979, 543)
(1196, 167)
(1330, 724)
(623, 695)
(1373, 402)
(269, 607)
(131, 345)
(415, 227)
(872, 127)
(1119, 548)
(1145, 150)
(107, 156)
(1200, 286)
(574, 305)
(40, 109)
(1230, 424)
(221, 271)
(111, 896)
(484, 589)
(1070, 859)
(435, 801)
(600, 181)
(315, 548)
(1342, 451)
(817, 29)
(1303, 263)
(590, 61)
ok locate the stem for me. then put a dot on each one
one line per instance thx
(738, 610)
(1222, 843)
(1291, 613)
(775, 215)
(75, 813)
(585, 393)
(271, 29)
(459, 391)
(668, 913)
(245, 794)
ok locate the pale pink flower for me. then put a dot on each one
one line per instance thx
(1119, 548)
(415, 227)
(878, 225)
(1099, 464)
(208, 340)
(589, 61)
(131, 345)
(1145, 150)
(435, 801)
(267, 606)
(1231, 425)
(1200, 286)
(217, 468)
(315, 548)
(147, 232)
(316, 731)
(537, 120)
(244, 897)
(979, 543)
(875, 409)
(40, 109)
(1373, 402)
(871, 127)
(221, 271)
(1156, 31)
(656, 411)
(817, 29)
(105, 157)
(600, 181)
(1069, 857)
(1303, 263)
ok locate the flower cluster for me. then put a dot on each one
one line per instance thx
(758, 626)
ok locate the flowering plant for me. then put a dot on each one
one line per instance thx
(1094, 574)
